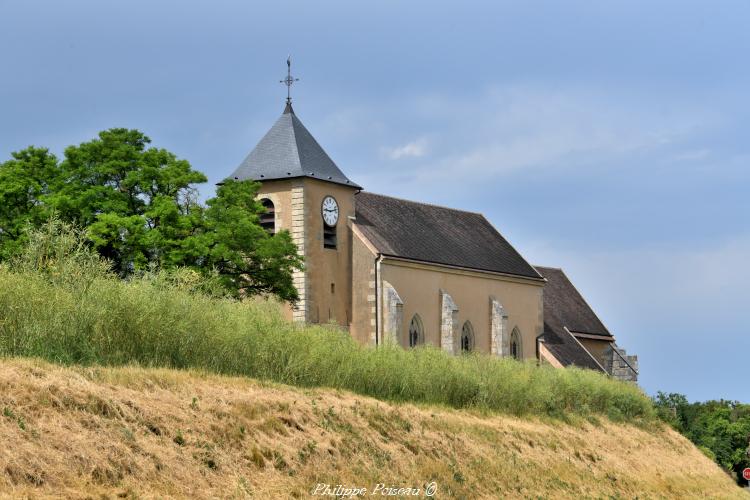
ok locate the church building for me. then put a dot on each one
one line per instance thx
(393, 271)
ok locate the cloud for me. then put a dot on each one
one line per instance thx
(693, 155)
(414, 149)
(531, 129)
(544, 128)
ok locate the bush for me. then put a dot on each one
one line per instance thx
(58, 304)
(720, 429)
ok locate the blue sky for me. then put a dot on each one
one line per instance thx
(607, 138)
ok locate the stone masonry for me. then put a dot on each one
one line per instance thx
(373, 306)
(300, 312)
(448, 323)
(393, 314)
(619, 364)
(499, 329)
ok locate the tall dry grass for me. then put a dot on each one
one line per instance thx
(129, 432)
(59, 302)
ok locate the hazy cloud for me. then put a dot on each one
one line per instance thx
(525, 128)
(414, 149)
(693, 155)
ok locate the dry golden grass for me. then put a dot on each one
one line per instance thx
(131, 432)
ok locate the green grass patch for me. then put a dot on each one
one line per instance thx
(60, 304)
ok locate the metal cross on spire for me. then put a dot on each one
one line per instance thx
(289, 80)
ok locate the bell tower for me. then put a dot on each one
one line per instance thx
(310, 197)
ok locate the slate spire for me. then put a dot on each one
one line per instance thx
(288, 150)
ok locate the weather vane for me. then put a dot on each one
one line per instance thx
(289, 80)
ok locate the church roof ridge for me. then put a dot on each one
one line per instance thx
(435, 205)
(549, 267)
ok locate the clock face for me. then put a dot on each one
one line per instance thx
(330, 211)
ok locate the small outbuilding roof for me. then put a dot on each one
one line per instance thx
(566, 311)
(439, 235)
(288, 150)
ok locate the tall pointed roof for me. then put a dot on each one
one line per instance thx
(287, 151)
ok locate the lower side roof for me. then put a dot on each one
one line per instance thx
(567, 350)
(566, 311)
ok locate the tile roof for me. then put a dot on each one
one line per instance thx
(439, 235)
(288, 150)
(564, 307)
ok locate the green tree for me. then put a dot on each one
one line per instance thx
(722, 427)
(244, 254)
(132, 198)
(670, 408)
(25, 182)
(139, 207)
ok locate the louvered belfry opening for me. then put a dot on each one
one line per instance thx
(268, 218)
(329, 236)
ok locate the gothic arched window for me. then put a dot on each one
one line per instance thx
(515, 344)
(268, 218)
(467, 337)
(416, 331)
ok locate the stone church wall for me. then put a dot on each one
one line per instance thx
(363, 293)
(325, 286)
(445, 298)
(328, 271)
(281, 194)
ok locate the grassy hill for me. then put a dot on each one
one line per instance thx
(133, 432)
(207, 415)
